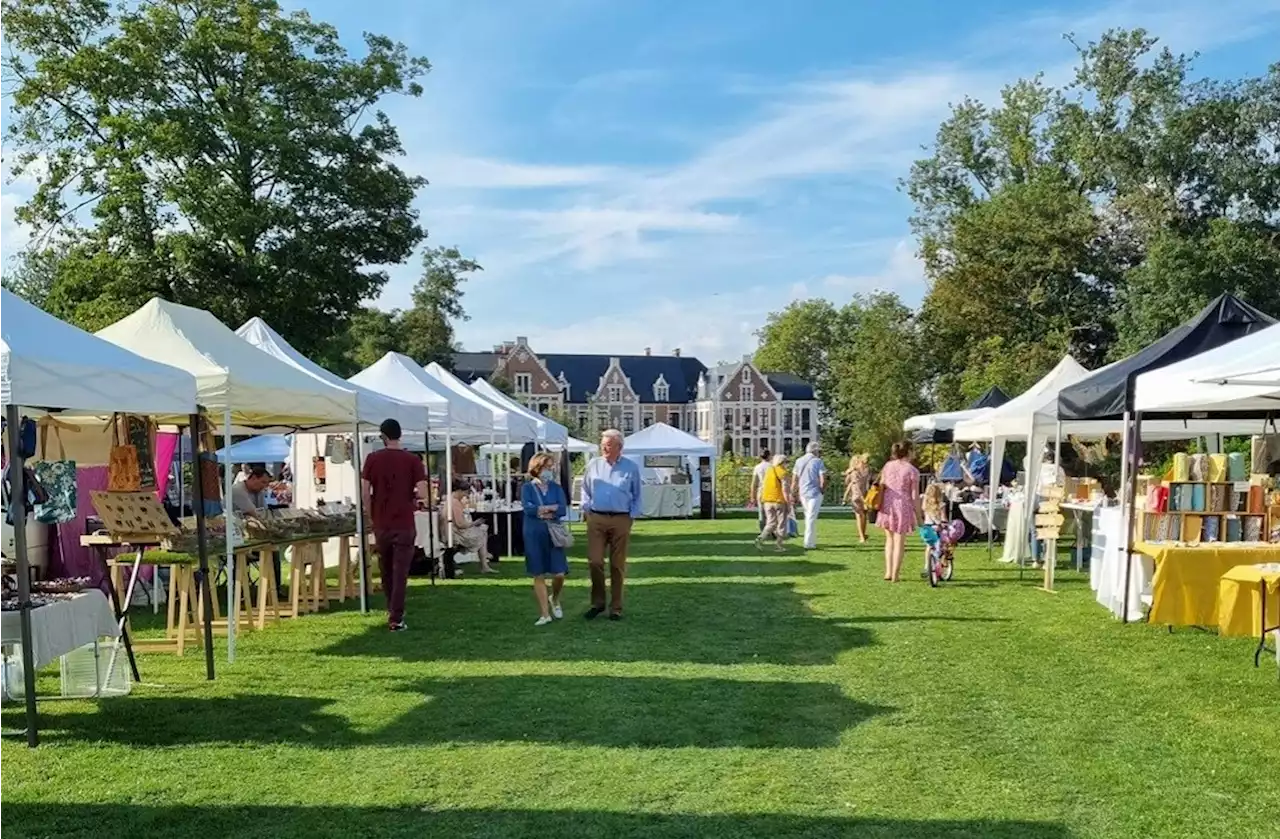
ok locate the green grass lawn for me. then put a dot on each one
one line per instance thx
(744, 695)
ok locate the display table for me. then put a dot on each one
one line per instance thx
(62, 627)
(1184, 589)
(666, 501)
(1082, 517)
(976, 513)
(1017, 541)
(1107, 566)
(1249, 603)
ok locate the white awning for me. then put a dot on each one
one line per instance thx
(1231, 378)
(550, 432)
(661, 438)
(399, 376)
(506, 422)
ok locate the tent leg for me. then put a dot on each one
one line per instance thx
(446, 485)
(202, 546)
(361, 532)
(431, 507)
(1129, 505)
(511, 523)
(18, 511)
(233, 613)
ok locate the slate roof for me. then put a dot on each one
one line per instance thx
(583, 372)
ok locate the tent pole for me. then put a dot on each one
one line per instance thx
(446, 485)
(228, 510)
(993, 483)
(507, 491)
(431, 509)
(1129, 505)
(18, 512)
(361, 534)
(202, 546)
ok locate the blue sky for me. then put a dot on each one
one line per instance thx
(663, 174)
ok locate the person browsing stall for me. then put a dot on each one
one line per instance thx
(246, 494)
(611, 501)
(545, 506)
(390, 478)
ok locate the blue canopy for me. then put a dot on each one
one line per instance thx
(266, 448)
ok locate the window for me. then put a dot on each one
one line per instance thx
(786, 419)
(786, 446)
(746, 447)
(764, 444)
(615, 393)
(804, 443)
(647, 419)
(746, 374)
(673, 418)
(728, 418)
(746, 420)
(661, 391)
(762, 417)
(524, 383)
(746, 393)
(543, 407)
(582, 417)
(628, 422)
(804, 420)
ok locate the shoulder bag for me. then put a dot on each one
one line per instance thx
(561, 537)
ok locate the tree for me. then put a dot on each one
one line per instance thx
(500, 382)
(437, 304)
(799, 340)
(229, 156)
(371, 334)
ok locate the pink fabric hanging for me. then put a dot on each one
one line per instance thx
(166, 445)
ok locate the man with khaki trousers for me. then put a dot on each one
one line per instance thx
(611, 502)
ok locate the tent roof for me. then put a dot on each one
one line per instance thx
(575, 446)
(549, 431)
(661, 438)
(936, 428)
(1015, 417)
(265, 448)
(48, 363)
(371, 407)
(993, 398)
(399, 376)
(506, 422)
(1108, 393)
(1198, 384)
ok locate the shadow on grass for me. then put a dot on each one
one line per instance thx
(703, 623)
(926, 619)
(642, 569)
(419, 822)
(604, 711)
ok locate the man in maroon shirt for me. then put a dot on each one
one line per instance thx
(389, 479)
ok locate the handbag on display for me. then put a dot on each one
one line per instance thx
(123, 474)
(57, 476)
(335, 449)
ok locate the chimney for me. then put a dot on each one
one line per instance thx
(647, 351)
(522, 341)
(676, 352)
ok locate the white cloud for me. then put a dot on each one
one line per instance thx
(463, 172)
(903, 273)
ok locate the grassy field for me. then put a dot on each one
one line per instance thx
(744, 695)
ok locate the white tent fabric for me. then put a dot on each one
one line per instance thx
(574, 445)
(230, 374)
(550, 432)
(371, 407)
(1267, 377)
(661, 438)
(507, 423)
(944, 421)
(1015, 417)
(398, 376)
(1202, 382)
(47, 363)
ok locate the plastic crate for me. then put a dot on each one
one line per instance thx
(83, 670)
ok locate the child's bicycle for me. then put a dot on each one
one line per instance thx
(941, 540)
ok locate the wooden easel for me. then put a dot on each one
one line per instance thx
(1048, 528)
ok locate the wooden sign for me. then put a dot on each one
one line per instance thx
(1044, 519)
(132, 516)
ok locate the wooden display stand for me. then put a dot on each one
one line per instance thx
(1187, 524)
(1048, 528)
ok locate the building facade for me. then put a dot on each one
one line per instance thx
(739, 407)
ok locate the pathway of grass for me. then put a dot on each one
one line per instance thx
(744, 695)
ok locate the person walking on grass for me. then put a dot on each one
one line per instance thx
(610, 500)
(389, 479)
(900, 484)
(757, 483)
(773, 498)
(808, 484)
(544, 501)
(857, 480)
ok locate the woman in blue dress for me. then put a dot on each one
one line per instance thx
(544, 501)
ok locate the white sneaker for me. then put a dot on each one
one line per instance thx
(542, 621)
(556, 611)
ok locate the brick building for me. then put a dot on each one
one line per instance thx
(749, 408)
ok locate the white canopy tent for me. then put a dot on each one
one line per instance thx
(234, 379)
(1231, 378)
(944, 421)
(661, 438)
(371, 409)
(574, 446)
(48, 364)
(550, 432)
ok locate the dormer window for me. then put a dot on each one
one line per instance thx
(661, 390)
(563, 384)
(615, 393)
(746, 374)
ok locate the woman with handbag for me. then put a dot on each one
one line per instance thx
(545, 535)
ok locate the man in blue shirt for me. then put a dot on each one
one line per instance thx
(611, 502)
(810, 483)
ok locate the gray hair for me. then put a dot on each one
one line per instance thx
(779, 459)
(813, 448)
(611, 434)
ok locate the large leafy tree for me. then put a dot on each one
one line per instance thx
(800, 340)
(428, 327)
(227, 154)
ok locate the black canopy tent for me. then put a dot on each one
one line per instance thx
(1108, 393)
(994, 397)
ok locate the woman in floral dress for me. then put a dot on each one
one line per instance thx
(857, 480)
(900, 493)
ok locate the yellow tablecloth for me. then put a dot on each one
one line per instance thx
(1184, 590)
(1240, 601)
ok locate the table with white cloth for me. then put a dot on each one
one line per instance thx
(976, 513)
(1082, 517)
(62, 626)
(1107, 566)
(498, 521)
(666, 501)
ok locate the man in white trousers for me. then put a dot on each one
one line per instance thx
(808, 484)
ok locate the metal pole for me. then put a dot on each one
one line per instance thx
(233, 615)
(507, 489)
(993, 483)
(446, 487)
(18, 512)
(361, 535)
(1126, 516)
(431, 510)
(202, 547)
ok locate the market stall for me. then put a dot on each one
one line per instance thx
(937, 428)
(551, 434)
(50, 365)
(668, 458)
(236, 382)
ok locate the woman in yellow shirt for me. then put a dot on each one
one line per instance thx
(773, 498)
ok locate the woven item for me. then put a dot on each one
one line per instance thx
(1199, 468)
(1236, 470)
(1210, 532)
(1234, 529)
(123, 474)
(1217, 498)
(1181, 467)
(1217, 467)
(1197, 497)
(1252, 530)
